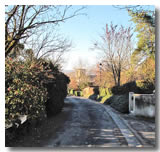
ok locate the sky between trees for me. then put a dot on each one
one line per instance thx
(85, 29)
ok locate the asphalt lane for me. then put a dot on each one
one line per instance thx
(88, 125)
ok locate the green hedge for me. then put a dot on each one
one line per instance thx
(134, 86)
(71, 91)
(75, 92)
(119, 102)
(33, 88)
(108, 94)
(145, 86)
(25, 93)
(78, 93)
(81, 93)
(104, 94)
(103, 99)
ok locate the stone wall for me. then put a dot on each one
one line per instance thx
(142, 104)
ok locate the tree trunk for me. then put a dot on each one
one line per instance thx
(114, 76)
(119, 77)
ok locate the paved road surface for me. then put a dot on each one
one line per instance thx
(92, 124)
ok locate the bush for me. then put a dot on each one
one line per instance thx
(126, 88)
(32, 89)
(109, 100)
(88, 92)
(24, 92)
(57, 91)
(145, 86)
(99, 98)
(71, 92)
(119, 102)
(102, 92)
(75, 92)
(81, 93)
(93, 96)
(104, 99)
(135, 86)
(108, 91)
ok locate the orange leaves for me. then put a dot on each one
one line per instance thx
(73, 83)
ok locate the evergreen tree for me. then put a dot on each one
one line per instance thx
(145, 26)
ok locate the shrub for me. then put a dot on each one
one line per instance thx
(104, 99)
(119, 102)
(104, 94)
(93, 96)
(24, 91)
(135, 86)
(32, 89)
(88, 92)
(68, 91)
(96, 90)
(126, 88)
(99, 98)
(76, 93)
(108, 91)
(145, 86)
(81, 93)
(71, 92)
(109, 100)
(57, 91)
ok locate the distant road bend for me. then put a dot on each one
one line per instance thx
(91, 124)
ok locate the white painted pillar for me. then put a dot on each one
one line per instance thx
(131, 102)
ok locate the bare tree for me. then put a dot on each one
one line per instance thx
(50, 44)
(116, 49)
(22, 21)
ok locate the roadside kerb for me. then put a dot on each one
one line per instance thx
(127, 133)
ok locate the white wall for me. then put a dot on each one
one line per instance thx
(142, 104)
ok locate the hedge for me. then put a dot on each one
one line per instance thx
(104, 94)
(138, 86)
(24, 91)
(75, 92)
(35, 89)
(104, 99)
(119, 102)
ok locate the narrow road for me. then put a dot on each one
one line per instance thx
(91, 124)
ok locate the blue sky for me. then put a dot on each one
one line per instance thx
(84, 29)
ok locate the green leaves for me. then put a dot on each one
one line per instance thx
(28, 88)
(24, 91)
(144, 54)
(145, 26)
